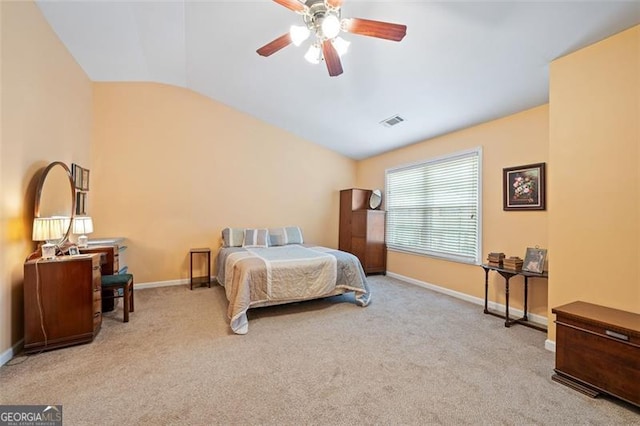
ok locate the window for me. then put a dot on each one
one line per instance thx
(433, 207)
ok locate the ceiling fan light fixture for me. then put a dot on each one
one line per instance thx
(330, 25)
(341, 45)
(299, 34)
(323, 19)
(314, 54)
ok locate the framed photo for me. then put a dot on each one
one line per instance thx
(81, 200)
(524, 187)
(85, 179)
(534, 260)
(73, 251)
(77, 173)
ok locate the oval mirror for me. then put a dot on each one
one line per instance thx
(375, 199)
(55, 196)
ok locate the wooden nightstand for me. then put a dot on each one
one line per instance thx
(204, 279)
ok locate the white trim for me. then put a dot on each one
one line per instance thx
(550, 345)
(7, 355)
(157, 284)
(536, 319)
(440, 158)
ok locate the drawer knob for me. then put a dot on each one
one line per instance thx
(616, 335)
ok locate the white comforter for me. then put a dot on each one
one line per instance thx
(263, 276)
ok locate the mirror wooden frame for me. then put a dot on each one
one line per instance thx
(72, 192)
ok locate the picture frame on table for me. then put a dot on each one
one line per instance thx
(74, 251)
(524, 187)
(534, 260)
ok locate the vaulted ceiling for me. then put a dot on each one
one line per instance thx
(460, 64)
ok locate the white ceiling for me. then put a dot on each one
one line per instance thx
(461, 63)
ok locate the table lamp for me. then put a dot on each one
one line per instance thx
(49, 229)
(82, 225)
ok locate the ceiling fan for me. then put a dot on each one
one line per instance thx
(323, 19)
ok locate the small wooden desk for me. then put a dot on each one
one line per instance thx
(507, 274)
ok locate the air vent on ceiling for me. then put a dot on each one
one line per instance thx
(392, 121)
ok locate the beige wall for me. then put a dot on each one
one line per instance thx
(46, 116)
(595, 137)
(511, 141)
(172, 168)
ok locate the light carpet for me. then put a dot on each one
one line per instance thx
(412, 357)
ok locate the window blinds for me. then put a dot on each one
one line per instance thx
(433, 208)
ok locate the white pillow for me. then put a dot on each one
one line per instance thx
(232, 237)
(294, 235)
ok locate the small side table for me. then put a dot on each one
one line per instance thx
(507, 274)
(199, 280)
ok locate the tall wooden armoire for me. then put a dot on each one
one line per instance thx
(362, 230)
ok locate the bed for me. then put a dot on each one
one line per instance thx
(255, 275)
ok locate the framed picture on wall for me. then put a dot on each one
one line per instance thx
(81, 200)
(85, 179)
(77, 175)
(524, 187)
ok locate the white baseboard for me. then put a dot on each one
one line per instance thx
(550, 345)
(7, 355)
(156, 284)
(537, 319)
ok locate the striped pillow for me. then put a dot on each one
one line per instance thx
(232, 237)
(294, 235)
(284, 236)
(256, 237)
(277, 237)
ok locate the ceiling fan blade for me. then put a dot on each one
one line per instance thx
(334, 3)
(294, 5)
(332, 58)
(277, 44)
(366, 27)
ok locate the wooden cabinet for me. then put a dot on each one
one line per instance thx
(62, 302)
(362, 230)
(598, 350)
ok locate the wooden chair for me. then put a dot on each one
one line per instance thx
(115, 283)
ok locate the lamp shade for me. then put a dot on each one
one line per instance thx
(298, 34)
(330, 26)
(341, 45)
(49, 228)
(82, 225)
(314, 54)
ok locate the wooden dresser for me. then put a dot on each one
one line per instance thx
(113, 264)
(598, 350)
(362, 230)
(61, 296)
